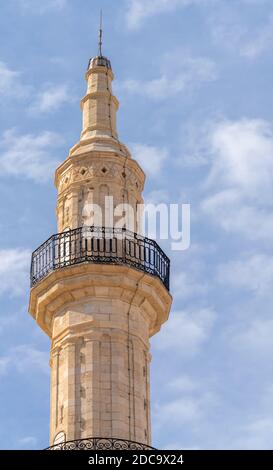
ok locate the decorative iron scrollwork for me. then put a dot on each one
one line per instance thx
(99, 245)
(100, 443)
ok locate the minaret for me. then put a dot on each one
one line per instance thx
(99, 291)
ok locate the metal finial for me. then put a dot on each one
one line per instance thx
(100, 35)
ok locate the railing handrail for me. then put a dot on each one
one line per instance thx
(115, 230)
(44, 259)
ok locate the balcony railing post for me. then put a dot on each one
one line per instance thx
(124, 255)
(59, 251)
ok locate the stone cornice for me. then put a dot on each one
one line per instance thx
(66, 286)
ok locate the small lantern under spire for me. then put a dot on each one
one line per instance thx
(99, 60)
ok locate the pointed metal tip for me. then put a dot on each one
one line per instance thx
(100, 35)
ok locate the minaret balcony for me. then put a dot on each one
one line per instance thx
(99, 245)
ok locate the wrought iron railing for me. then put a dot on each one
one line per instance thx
(100, 443)
(99, 245)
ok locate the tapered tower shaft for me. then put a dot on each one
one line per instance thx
(99, 292)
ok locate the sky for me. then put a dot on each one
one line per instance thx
(194, 80)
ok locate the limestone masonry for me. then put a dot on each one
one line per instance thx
(99, 315)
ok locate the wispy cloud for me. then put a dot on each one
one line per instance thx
(4, 363)
(24, 359)
(251, 275)
(185, 409)
(14, 271)
(254, 431)
(257, 433)
(51, 99)
(263, 39)
(252, 272)
(11, 83)
(240, 179)
(157, 196)
(179, 411)
(41, 7)
(188, 73)
(150, 158)
(182, 384)
(29, 156)
(243, 151)
(140, 10)
(186, 331)
(230, 22)
(188, 284)
(232, 27)
(189, 402)
(255, 340)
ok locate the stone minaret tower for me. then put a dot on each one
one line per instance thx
(99, 292)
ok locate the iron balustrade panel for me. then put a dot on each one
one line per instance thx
(99, 245)
(100, 443)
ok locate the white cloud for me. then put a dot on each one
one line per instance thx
(256, 339)
(230, 24)
(262, 40)
(140, 10)
(183, 384)
(150, 158)
(193, 139)
(257, 434)
(238, 216)
(11, 84)
(35, 6)
(157, 196)
(189, 402)
(251, 433)
(179, 411)
(240, 182)
(256, 430)
(24, 359)
(29, 156)
(14, 271)
(188, 284)
(232, 27)
(51, 99)
(4, 363)
(47, 100)
(244, 149)
(253, 273)
(186, 331)
(187, 73)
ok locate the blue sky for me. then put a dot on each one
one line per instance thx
(194, 79)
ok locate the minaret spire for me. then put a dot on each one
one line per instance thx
(100, 35)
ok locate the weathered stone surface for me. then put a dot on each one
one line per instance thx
(99, 317)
